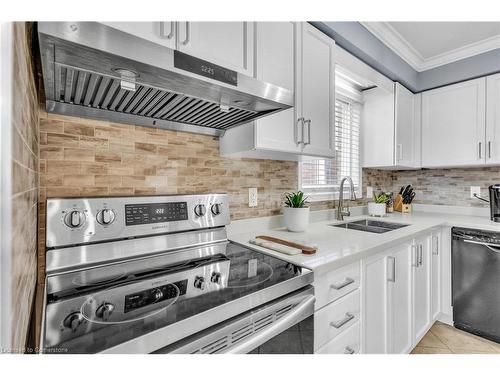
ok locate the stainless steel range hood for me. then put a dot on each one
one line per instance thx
(92, 70)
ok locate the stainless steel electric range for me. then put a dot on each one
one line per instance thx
(158, 274)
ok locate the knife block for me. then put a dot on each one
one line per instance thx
(399, 206)
(398, 203)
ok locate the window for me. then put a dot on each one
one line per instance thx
(320, 178)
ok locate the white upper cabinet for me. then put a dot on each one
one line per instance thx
(300, 58)
(229, 44)
(391, 128)
(407, 124)
(377, 130)
(164, 33)
(493, 119)
(315, 95)
(453, 125)
(275, 63)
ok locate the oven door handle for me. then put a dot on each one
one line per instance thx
(273, 330)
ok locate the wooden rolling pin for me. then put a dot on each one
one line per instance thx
(305, 249)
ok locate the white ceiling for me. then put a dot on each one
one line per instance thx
(426, 45)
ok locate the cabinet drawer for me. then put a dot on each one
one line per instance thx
(335, 318)
(345, 343)
(335, 284)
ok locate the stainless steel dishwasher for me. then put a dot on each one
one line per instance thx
(476, 282)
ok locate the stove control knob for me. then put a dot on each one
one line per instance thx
(73, 321)
(157, 294)
(200, 210)
(105, 216)
(216, 209)
(74, 219)
(199, 282)
(216, 278)
(105, 310)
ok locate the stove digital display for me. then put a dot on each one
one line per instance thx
(154, 295)
(152, 213)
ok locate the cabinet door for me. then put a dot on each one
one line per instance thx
(399, 290)
(453, 125)
(421, 264)
(316, 73)
(274, 56)
(377, 135)
(375, 307)
(435, 275)
(163, 33)
(405, 126)
(229, 44)
(493, 119)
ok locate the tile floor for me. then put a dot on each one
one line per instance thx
(445, 339)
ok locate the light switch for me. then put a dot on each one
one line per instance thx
(369, 192)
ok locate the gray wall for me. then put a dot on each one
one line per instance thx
(357, 40)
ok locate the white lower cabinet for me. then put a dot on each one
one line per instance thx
(421, 267)
(436, 275)
(401, 295)
(345, 343)
(387, 302)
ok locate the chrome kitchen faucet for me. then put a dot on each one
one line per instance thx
(341, 210)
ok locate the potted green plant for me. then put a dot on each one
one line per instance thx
(378, 206)
(295, 213)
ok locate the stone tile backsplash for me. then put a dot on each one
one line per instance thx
(24, 163)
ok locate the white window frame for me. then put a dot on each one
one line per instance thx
(334, 195)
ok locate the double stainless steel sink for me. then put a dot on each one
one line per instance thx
(373, 226)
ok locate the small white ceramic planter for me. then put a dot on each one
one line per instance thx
(376, 209)
(296, 219)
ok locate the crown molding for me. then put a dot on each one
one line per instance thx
(399, 45)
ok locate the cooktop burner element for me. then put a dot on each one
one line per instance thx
(140, 281)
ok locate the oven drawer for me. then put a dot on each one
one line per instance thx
(345, 343)
(335, 318)
(336, 283)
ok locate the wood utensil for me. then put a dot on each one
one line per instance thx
(305, 249)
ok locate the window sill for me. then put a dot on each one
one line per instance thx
(320, 197)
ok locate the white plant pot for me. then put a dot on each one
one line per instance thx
(376, 209)
(296, 219)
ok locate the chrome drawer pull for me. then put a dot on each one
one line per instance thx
(343, 284)
(340, 323)
(348, 350)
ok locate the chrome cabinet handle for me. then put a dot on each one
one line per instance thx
(186, 41)
(348, 350)
(489, 149)
(300, 121)
(308, 122)
(480, 152)
(392, 276)
(348, 317)
(414, 255)
(400, 151)
(163, 32)
(435, 247)
(420, 255)
(343, 284)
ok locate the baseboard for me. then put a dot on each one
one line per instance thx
(445, 318)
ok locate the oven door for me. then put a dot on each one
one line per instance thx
(283, 326)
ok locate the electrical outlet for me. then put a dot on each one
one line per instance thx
(252, 197)
(475, 190)
(369, 192)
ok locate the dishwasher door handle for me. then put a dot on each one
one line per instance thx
(489, 246)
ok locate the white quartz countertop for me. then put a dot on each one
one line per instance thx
(339, 246)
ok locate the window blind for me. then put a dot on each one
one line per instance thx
(324, 175)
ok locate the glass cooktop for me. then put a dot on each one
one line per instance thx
(94, 310)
